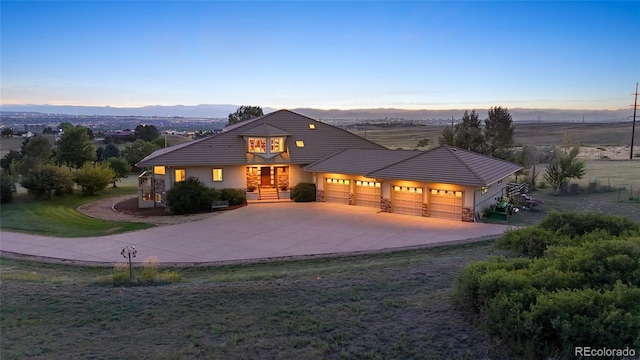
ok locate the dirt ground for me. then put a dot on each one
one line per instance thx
(125, 208)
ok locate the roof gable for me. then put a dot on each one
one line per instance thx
(448, 164)
(229, 147)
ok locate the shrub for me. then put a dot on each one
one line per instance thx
(581, 290)
(7, 188)
(304, 192)
(191, 196)
(530, 241)
(45, 180)
(575, 224)
(93, 178)
(234, 196)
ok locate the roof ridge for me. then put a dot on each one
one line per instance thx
(399, 161)
(326, 157)
(455, 149)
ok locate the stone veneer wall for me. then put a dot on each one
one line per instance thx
(283, 180)
(467, 214)
(352, 199)
(385, 205)
(253, 179)
(425, 209)
(159, 188)
(320, 196)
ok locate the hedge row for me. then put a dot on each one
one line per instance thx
(582, 290)
(192, 196)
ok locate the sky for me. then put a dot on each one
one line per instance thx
(327, 54)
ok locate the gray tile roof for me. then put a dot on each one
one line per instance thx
(229, 147)
(451, 165)
(360, 161)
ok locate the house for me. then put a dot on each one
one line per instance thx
(270, 154)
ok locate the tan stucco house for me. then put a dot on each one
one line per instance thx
(268, 155)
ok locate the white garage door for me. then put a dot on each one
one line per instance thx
(336, 191)
(368, 193)
(407, 200)
(445, 204)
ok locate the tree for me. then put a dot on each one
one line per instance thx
(47, 179)
(65, 125)
(8, 158)
(447, 137)
(75, 148)
(564, 165)
(468, 134)
(7, 188)
(36, 151)
(244, 113)
(498, 132)
(91, 134)
(7, 132)
(93, 177)
(48, 130)
(147, 132)
(120, 167)
(137, 151)
(111, 150)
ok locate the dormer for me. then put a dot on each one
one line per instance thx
(265, 140)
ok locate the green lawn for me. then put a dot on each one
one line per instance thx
(60, 217)
(388, 306)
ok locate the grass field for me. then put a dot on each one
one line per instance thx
(389, 306)
(60, 217)
(597, 140)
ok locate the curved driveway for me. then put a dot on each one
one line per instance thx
(260, 231)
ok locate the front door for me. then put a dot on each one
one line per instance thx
(265, 176)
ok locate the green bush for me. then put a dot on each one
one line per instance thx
(560, 320)
(304, 192)
(530, 241)
(93, 178)
(7, 188)
(582, 290)
(575, 224)
(234, 196)
(191, 196)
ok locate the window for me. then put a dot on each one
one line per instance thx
(217, 174)
(312, 126)
(180, 173)
(257, 145)
(277, 144)
(158, 170)
(299, 143)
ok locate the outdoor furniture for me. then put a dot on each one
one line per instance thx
(219, 204)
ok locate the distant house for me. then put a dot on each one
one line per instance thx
(270, 154)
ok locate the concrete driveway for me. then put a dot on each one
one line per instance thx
(260, 231)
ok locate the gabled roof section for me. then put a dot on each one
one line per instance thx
(265, 129)
(230, 148)
(446, 164)
(360, 161)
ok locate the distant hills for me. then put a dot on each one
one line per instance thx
(223, 110)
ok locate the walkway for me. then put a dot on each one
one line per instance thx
(260, 231)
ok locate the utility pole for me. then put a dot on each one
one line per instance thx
(633, 129)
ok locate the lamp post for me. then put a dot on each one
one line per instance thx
(128, 252)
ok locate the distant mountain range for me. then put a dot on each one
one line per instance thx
(223, 111)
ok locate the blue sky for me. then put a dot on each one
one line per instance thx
(330, 55)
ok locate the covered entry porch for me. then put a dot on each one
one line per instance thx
(268, 182)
